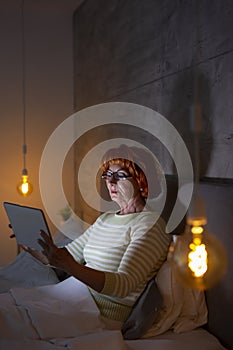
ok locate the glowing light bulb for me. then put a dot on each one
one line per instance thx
(24, 188)
(198, 258)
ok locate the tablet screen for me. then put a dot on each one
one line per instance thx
(26, 223)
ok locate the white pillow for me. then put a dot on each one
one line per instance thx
(194, 311)
(172, 294)
(183, 309)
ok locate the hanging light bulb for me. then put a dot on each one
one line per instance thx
(24, 188)
(198, 258)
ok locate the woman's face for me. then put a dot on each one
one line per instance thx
(122, 188)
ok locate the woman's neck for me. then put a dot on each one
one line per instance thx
(134, 205)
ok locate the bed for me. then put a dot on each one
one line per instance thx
(183, 324)
(37, 324)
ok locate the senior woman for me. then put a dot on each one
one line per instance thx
(121, 251)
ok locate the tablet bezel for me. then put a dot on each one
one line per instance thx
(26, 223)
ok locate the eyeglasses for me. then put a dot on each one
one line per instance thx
(117, 175)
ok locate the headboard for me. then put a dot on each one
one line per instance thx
(218, 197)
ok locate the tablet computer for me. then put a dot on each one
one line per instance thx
(26, 223)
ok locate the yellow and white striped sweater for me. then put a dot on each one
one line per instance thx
(130, 249)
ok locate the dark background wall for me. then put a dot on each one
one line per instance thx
(148, 52)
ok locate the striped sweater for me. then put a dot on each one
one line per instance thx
(130, 250)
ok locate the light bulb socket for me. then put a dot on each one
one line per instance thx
(24, 148)
(24, 171)
(196, 213)
(196, 220)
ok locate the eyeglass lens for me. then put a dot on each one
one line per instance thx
(117, 175)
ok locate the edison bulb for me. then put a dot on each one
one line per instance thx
(198, 258)
(24, 188)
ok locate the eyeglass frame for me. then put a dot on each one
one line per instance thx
(114, 174)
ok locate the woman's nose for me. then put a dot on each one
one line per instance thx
(113, 180)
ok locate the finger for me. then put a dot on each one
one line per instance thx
(31, 250)
(46, 238)
(43, 244)
(24, 247)
(47, 248)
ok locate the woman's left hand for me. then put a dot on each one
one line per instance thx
(62, 259)
(57, 257)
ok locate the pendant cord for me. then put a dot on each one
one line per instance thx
(197, 104)
(24, 148)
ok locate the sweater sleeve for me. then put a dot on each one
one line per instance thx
(143, 257)
(75, 248)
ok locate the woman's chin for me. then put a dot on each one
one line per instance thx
(113, 197)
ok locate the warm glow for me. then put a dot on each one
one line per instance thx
(25, 187)
(197, 229)
(198, 259)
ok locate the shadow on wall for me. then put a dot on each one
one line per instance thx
(181, 114)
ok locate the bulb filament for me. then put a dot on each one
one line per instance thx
(25, 187)
(197, 257)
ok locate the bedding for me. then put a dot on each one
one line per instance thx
(25, 271)
(106, 340)
(72, 314)
(193, 340)
(64, 316)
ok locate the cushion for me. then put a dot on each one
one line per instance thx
(172, 294)
(193, 313)
(183, 309)
(144, 312)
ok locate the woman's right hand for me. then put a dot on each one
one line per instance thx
(36, 254)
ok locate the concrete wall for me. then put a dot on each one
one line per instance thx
(148, 52)
(49, 96)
